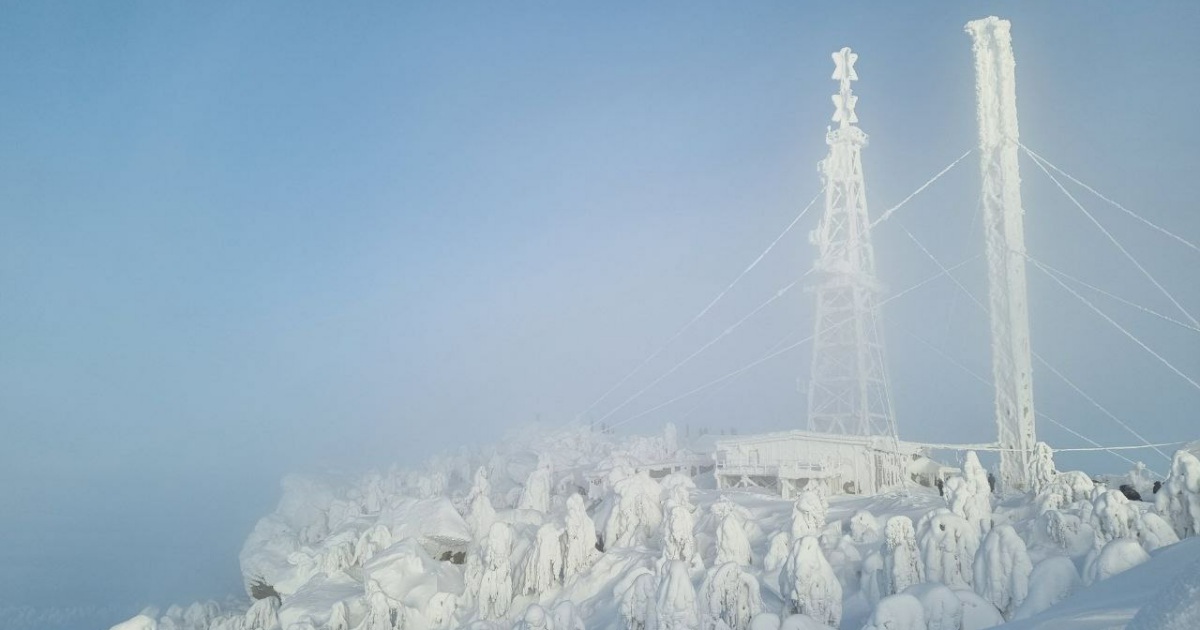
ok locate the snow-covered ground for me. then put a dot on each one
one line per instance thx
(576, 529)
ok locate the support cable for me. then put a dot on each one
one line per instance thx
(888, 213)
(1120, 207)
(703, 311)
(1037, 356)
(1113, 239)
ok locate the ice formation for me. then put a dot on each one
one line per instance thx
(902, 566)
(948, 547)
(1002, 569)
(809, 585)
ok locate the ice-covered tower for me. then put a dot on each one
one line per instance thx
(848, 393)
(1004, 232)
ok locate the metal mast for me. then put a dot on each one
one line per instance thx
(1004, 232)
(848, 393)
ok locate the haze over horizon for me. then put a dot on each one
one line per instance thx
(238, 241)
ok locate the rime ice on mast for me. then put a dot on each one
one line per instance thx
(849, 389)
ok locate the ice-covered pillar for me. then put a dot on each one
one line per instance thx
(1004, 232)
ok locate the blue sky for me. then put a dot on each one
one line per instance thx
(238, 240)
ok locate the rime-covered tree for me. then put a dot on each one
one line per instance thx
(638, 601)
(1051, 581)
(579, 538)
(535, 618)
(778, 550)
(480, 513)
(1117, 555)
(1178, 500)
(679, 538)
(637, 514)
(543, 563)
(809, 585)
(808, 514)
(567, 616)
(381, 612)
(1066, 489)
(902, 565)
(1041, 468)
(863, 527)
(536, 493)
(495, 586)
(729, 596)
(969, 496)
(1113, 516)
(732, 543)
(263, 615)
(948, 545)
(676, 598)
(1002, 569)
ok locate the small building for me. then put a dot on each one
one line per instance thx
(790, 461)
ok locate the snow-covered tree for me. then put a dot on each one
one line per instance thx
(381, 612)
(536, 493)
(969, 496)
(872, 581)
(495, 586)
(1002, 569)
(1065, 532)
(1041, 468)
(670, 439)
(948, 545)
(1052, 580)
(732, 543)
(679, 538)
(778, 549)
(1066, 489)
(637, 515)
(729, 596)
(676, 601)
(897, 612)
(1141, 480)
(567, 616)
(808, 514)
(638, 604)
(809, 585)
(1178, 500)
(544, 563)
(339, 617)
(263, 615)
(1117, 555)
(480, 513)
(579, 538)
(863, 527)
(1153, 531)
(902, 566)
(375, 539)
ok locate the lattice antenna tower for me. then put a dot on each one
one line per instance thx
(849, 389)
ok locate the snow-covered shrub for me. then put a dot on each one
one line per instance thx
(732, 543)
(567, 616)
(636, 515)
(809, 585)
(978, 613)
(535, 618)
(1116, 556)
(544, 563)
(1041, 468)
(480, 513)
(1066, 489)
(495, 586)
(863, 527)
(678, 488)
(808, 514)
(1179, 498)
(375, 539)
(637, 596)
(536, 493)
(679, 538)
(970, 496)
(1002, 569)
(897, 612)
(943, 609)
(778, 548)
(948, 547)
(1113, 517)
(1153, 531)
(843, 556)
(339, 617)
(676, 602)
(380, 613)
(902, 566)
(1052, 580)
(1066, 533)
(579, 538)
(729, 595)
